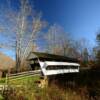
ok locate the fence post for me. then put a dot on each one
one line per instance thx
(6, 79)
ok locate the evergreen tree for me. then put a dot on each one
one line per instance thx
(98, 50)
(85, 55)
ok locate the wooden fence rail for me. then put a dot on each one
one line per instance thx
(21, 74)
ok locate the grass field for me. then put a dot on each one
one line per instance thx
(22, 80)
(18, 81)
(25, 88)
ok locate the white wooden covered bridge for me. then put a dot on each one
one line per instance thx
(52, 64)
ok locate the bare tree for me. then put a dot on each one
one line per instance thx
(22, 29)
(80, 46)
(58, 41)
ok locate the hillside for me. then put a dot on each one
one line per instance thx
(6, 62)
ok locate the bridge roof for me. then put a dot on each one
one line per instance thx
(49, 57)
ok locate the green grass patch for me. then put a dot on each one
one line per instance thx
(2, 81)
(1, 97)
(19, 81)
(23, 80)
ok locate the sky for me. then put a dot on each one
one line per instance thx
(80, 18)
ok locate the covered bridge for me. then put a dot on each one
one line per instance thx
(52, 64)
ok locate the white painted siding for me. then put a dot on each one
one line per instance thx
(45, 64)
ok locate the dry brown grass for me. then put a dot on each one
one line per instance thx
(31, 91)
